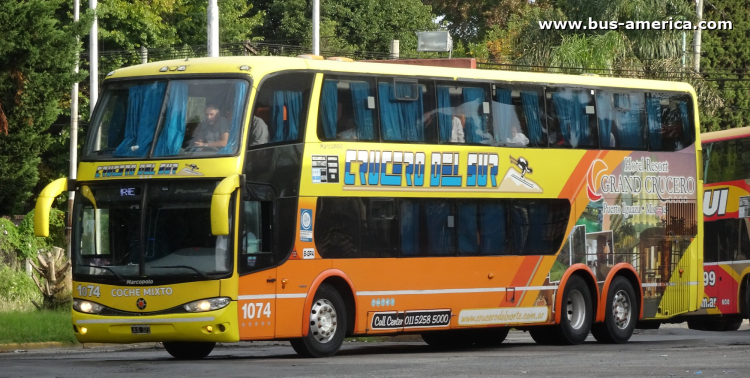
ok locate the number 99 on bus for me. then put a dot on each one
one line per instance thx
(255, 310)
(709, 278)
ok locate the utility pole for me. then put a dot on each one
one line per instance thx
(213, 28)
(73, 138)
(697, 36)
(316, 27)
(94, 59)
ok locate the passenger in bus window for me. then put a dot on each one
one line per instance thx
(258, 131)
(348, 128)
(517, 138)
(457, 130)
(213, 131)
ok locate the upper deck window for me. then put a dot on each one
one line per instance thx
(727, 160)
(347, 109)
(621, 121)
(174, 118)
(670, 121)
(280, 113)
(572, 121)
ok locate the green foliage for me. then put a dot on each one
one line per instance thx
(37, 56)
(30, 243)
(469, 21)
(17, 290)
(348, 25)
(725, 58)
(36, 326)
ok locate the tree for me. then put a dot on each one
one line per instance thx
(470, 20)
(348, 25)
(37, 56)
(725, 58)
(619, 51)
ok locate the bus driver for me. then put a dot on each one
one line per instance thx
(213, 131)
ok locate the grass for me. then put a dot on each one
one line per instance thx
(36, 327)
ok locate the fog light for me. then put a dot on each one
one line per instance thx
(83, 330)
(209, 329)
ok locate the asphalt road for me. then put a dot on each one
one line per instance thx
(672, 351)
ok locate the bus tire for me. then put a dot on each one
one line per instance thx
(327, 325)
(189, 351)
(733, 323)
(697, 325)
(620, 314)
(577, 312)
(490, 337)
(544, 335)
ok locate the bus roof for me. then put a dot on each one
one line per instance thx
(268, 64)
(716, 136)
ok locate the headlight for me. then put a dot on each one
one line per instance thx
(87, 307)
(209, 304)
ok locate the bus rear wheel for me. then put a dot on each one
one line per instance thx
(327, 325)
(189, 351)
(620, 314)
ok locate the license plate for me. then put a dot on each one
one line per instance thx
(140, 329)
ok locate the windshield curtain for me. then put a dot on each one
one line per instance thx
(117, 237)
(175, 118)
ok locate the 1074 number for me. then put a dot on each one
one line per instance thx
(256, 310)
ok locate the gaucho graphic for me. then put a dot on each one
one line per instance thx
(515, 179)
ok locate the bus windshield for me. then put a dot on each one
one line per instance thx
(160, 118)
(156, 229)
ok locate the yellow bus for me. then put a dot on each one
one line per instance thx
(270, 198)
(726, 208)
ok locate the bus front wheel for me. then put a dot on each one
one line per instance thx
(189, 351)
(327, 325)
(620, 315)
(575, 322)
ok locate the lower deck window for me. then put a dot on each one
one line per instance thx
(387, 227)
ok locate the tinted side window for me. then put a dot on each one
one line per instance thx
(621, 120)
(347, 109)
(518, 116)
(280, 109)
(379, 228)
(572, 121)
(539, 225)
(427, 228)
(336, 231)
(255, 250)
(483, 227)
(463, 115)
(727, 160)
(670, 121)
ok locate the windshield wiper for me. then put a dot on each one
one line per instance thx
(105, 268)
(204, 275)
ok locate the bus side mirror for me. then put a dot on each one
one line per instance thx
(44, 203)
(220, 204)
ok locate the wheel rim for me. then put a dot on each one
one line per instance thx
(323, 320)
(621, 309)
(576, 309)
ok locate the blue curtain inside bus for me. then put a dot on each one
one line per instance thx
(401, 119)
(117, 123)
(362, 113)
(439, 231)
(409, 228)
(444, 113)
(605, 115)
(329, 108)
(531, 109)
(285, 130)
(653, 109)
(503, 118)
(468, 229)
(686, 127)
(492, 236)
(173, 131)
(144, 105)
(629, 132)
(473, 111)
(574, 123)
(538, 242)
(240, 88)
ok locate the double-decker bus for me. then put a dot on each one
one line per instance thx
(726, 248)
(260, 198)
